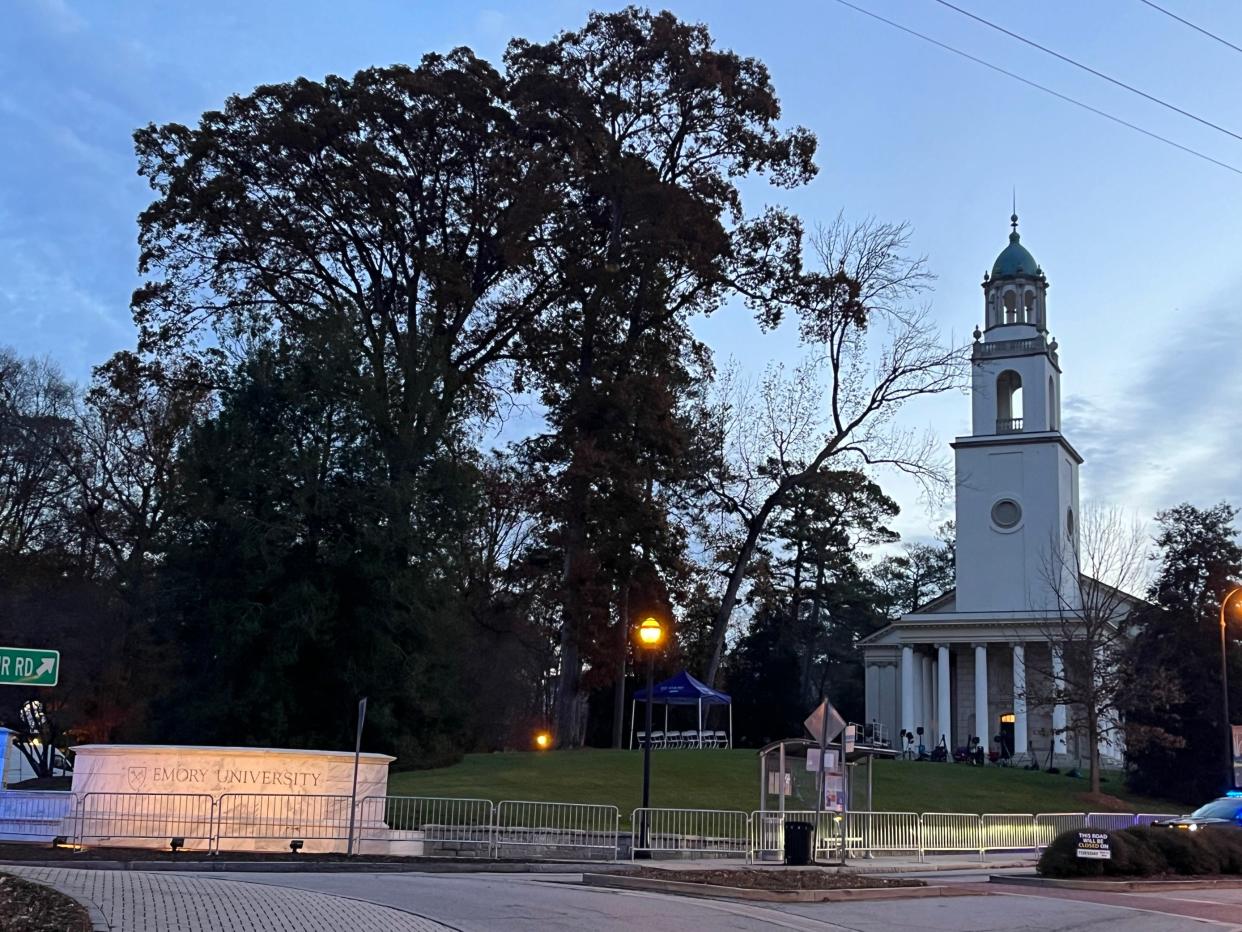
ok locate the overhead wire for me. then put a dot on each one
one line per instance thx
(1047, 90)
(1186, 22)
(1087, 68)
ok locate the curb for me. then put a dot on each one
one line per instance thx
(651, 885)
(878, 867)
(333, 867)
(1116, 886)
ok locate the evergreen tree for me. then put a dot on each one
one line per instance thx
(1179, 751)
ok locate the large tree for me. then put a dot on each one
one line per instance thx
(1179, 750)
(661, 125)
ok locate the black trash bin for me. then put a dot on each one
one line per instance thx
(799, 843)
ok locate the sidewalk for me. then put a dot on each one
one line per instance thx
(139, 902)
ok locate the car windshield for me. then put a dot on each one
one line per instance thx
(1220, 809)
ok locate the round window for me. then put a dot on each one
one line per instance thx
(1069, 521)
(1006, 513)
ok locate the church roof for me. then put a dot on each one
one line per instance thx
(1015, 259)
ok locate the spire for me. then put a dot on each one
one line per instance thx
(1013, 218)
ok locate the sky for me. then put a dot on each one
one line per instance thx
(1139, 240)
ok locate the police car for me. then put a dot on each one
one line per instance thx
(1225, 812)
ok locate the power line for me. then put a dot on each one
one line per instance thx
(1186, 22)
(1090, 70)
(1040, 87)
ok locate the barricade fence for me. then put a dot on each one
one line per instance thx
(690, 831)
(524, 828)
(461, 827)
(131, 817)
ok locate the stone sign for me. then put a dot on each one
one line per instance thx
(253, 792)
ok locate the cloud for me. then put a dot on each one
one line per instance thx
(1169, 432)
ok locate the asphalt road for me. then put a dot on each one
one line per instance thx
(545, 903)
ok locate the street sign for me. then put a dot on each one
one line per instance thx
(1094, 845)
(29, 666)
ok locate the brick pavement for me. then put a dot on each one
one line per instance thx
(132, 901)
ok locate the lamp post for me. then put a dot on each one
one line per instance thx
(650, 636)
(1224, 687)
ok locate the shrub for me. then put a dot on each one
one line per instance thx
(1129, 857)
(1183, 852)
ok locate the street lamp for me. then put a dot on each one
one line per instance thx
(650, 636)
(1224, 686)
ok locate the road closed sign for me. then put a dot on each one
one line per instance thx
(29, 666)
(1094, 845)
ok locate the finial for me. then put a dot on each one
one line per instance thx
(1053, 345)
(978, 333)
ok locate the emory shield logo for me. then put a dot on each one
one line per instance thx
(137, 777)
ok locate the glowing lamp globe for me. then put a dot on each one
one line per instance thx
(543, 740)
(650, 632)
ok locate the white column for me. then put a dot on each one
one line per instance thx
(929, 712)
(982, 720)
(932, 739)
(907, 689)
(1058, 710)
(919, 713)
(1019, 699)
(944, 710)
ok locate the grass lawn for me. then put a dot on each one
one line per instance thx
(719, 779)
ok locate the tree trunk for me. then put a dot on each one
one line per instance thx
(623, 643)
(720, 624)
(1093, 748)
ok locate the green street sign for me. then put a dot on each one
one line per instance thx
(29, 666)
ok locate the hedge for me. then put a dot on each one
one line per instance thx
(1146, 852)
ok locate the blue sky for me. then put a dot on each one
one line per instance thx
(1139, 241)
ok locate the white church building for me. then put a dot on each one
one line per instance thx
(959, 666)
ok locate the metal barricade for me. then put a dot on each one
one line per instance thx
(36, 814)
(111, 817)
(1008, 831)
(283, 817)
(1048, 825)
(951, 831)
(691, 831)
(869, 832)
(1110, 820)
(767, 832)
(425, 826)
(524, 828)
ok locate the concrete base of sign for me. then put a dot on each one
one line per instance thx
(237, 799)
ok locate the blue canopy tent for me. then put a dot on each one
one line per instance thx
(683, 689)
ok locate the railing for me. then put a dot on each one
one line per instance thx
(256, 817)
(951, 831)
(691, 831)
(426, 825)
(1048, 825)
(145, 816)
(868, 832)
(1008, 347)
(451, 827)
(1009, 425)
(524, 826)
(35, 814)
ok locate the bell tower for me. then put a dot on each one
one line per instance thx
(1017, 475)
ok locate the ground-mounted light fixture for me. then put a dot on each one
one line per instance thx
(176, 844)
(295, 845)
(543, 740)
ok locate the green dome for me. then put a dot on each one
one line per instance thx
(1014, 259)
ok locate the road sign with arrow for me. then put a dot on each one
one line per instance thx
(29, 666)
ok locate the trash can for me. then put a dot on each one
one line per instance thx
(799, 843)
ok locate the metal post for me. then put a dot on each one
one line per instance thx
(1230, 775)
(353, 796)
(642, 852)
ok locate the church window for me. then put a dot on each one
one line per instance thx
(1069, 522)
(1011, 307)
(1052, 404)
(1006, 513)
(1029, 309)
(1008, 402)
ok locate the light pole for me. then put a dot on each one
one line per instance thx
(650, 636)
(1224, 687)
